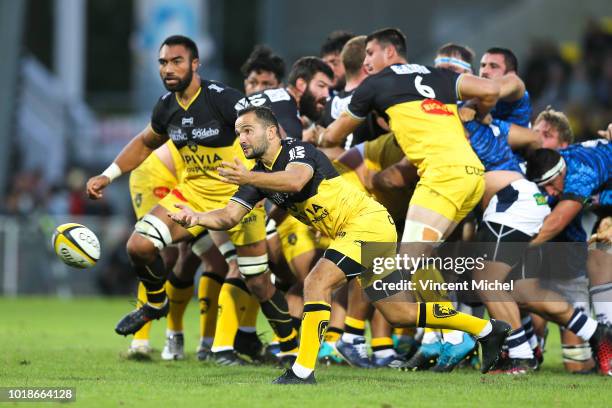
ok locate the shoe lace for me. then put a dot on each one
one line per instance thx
(362, 350)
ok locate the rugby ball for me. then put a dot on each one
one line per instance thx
(76, 245)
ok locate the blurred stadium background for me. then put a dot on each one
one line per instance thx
(79, 78)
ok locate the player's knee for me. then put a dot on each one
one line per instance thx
(260, 286)
(140, 250)
(154, 230)
(415, 231)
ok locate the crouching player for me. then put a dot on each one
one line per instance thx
(299, 178)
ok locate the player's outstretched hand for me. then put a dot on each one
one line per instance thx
(95, 185)
(234, 173)
(186, 218)
(607, 133)
(604, 232)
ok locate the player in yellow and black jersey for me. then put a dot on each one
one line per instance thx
(419, 103)
(300, 178)
(198, 116)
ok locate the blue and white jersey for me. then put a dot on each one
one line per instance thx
(517, 112)
(589, 172)
(490, 143)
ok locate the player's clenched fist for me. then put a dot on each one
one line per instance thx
(95, 185)
(186, 218)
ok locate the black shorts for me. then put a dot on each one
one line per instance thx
(500, 243)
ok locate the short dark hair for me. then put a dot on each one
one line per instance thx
(185, 42)
(390, 36)
(540, 161)
(335, 42)
(465, 53)
(509, 57)
(264, 114)
(263, 59)
(307, 67)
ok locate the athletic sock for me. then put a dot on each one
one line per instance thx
(601, 296)
(314, 323)
(248, 318)
(143, 333)
(233, 293)
(383, 347)
(332, 335)
(179, 294)
(353, 329)
(208, 299)
(581, 325)
(442, 315)
(518, 346)
(527, 323)
(276, 311)
(453, 337)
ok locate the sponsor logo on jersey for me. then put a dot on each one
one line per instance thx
(435, 107)
(179, 195)
(292, 238)
(277, 95)
(138, 199)
(540, 199)
(298, 152)
(176, 134)
(215, 88)
(203, 133)
(187, 121)
(441, 311)
(161, 192)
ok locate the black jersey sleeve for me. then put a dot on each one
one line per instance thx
(362, 101)
(159, 117)
(450, 80)
(247, 196)
(303, 153)
(228, 101)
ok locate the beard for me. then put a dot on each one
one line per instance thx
(257, 151)
(182, 83)
(308, 105)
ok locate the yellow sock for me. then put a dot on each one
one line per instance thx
(143, 333)
(404, 331)
(251, 310)
(332, 334)
(208, 298)
(314, 324)
(233, 293)
(179, 298)
(442, 315)
(354, 326)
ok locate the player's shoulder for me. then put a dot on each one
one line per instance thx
(219, 90)
(268, 96)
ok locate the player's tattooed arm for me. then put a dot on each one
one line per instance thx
(217, 220)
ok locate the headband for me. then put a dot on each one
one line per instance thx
(453, 61)
(551, 174)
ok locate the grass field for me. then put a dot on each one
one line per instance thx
(50, 342)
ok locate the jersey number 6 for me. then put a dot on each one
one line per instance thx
(426, 91)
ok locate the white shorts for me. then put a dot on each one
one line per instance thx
(519, 205)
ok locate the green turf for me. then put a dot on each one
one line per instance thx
(50, 342)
